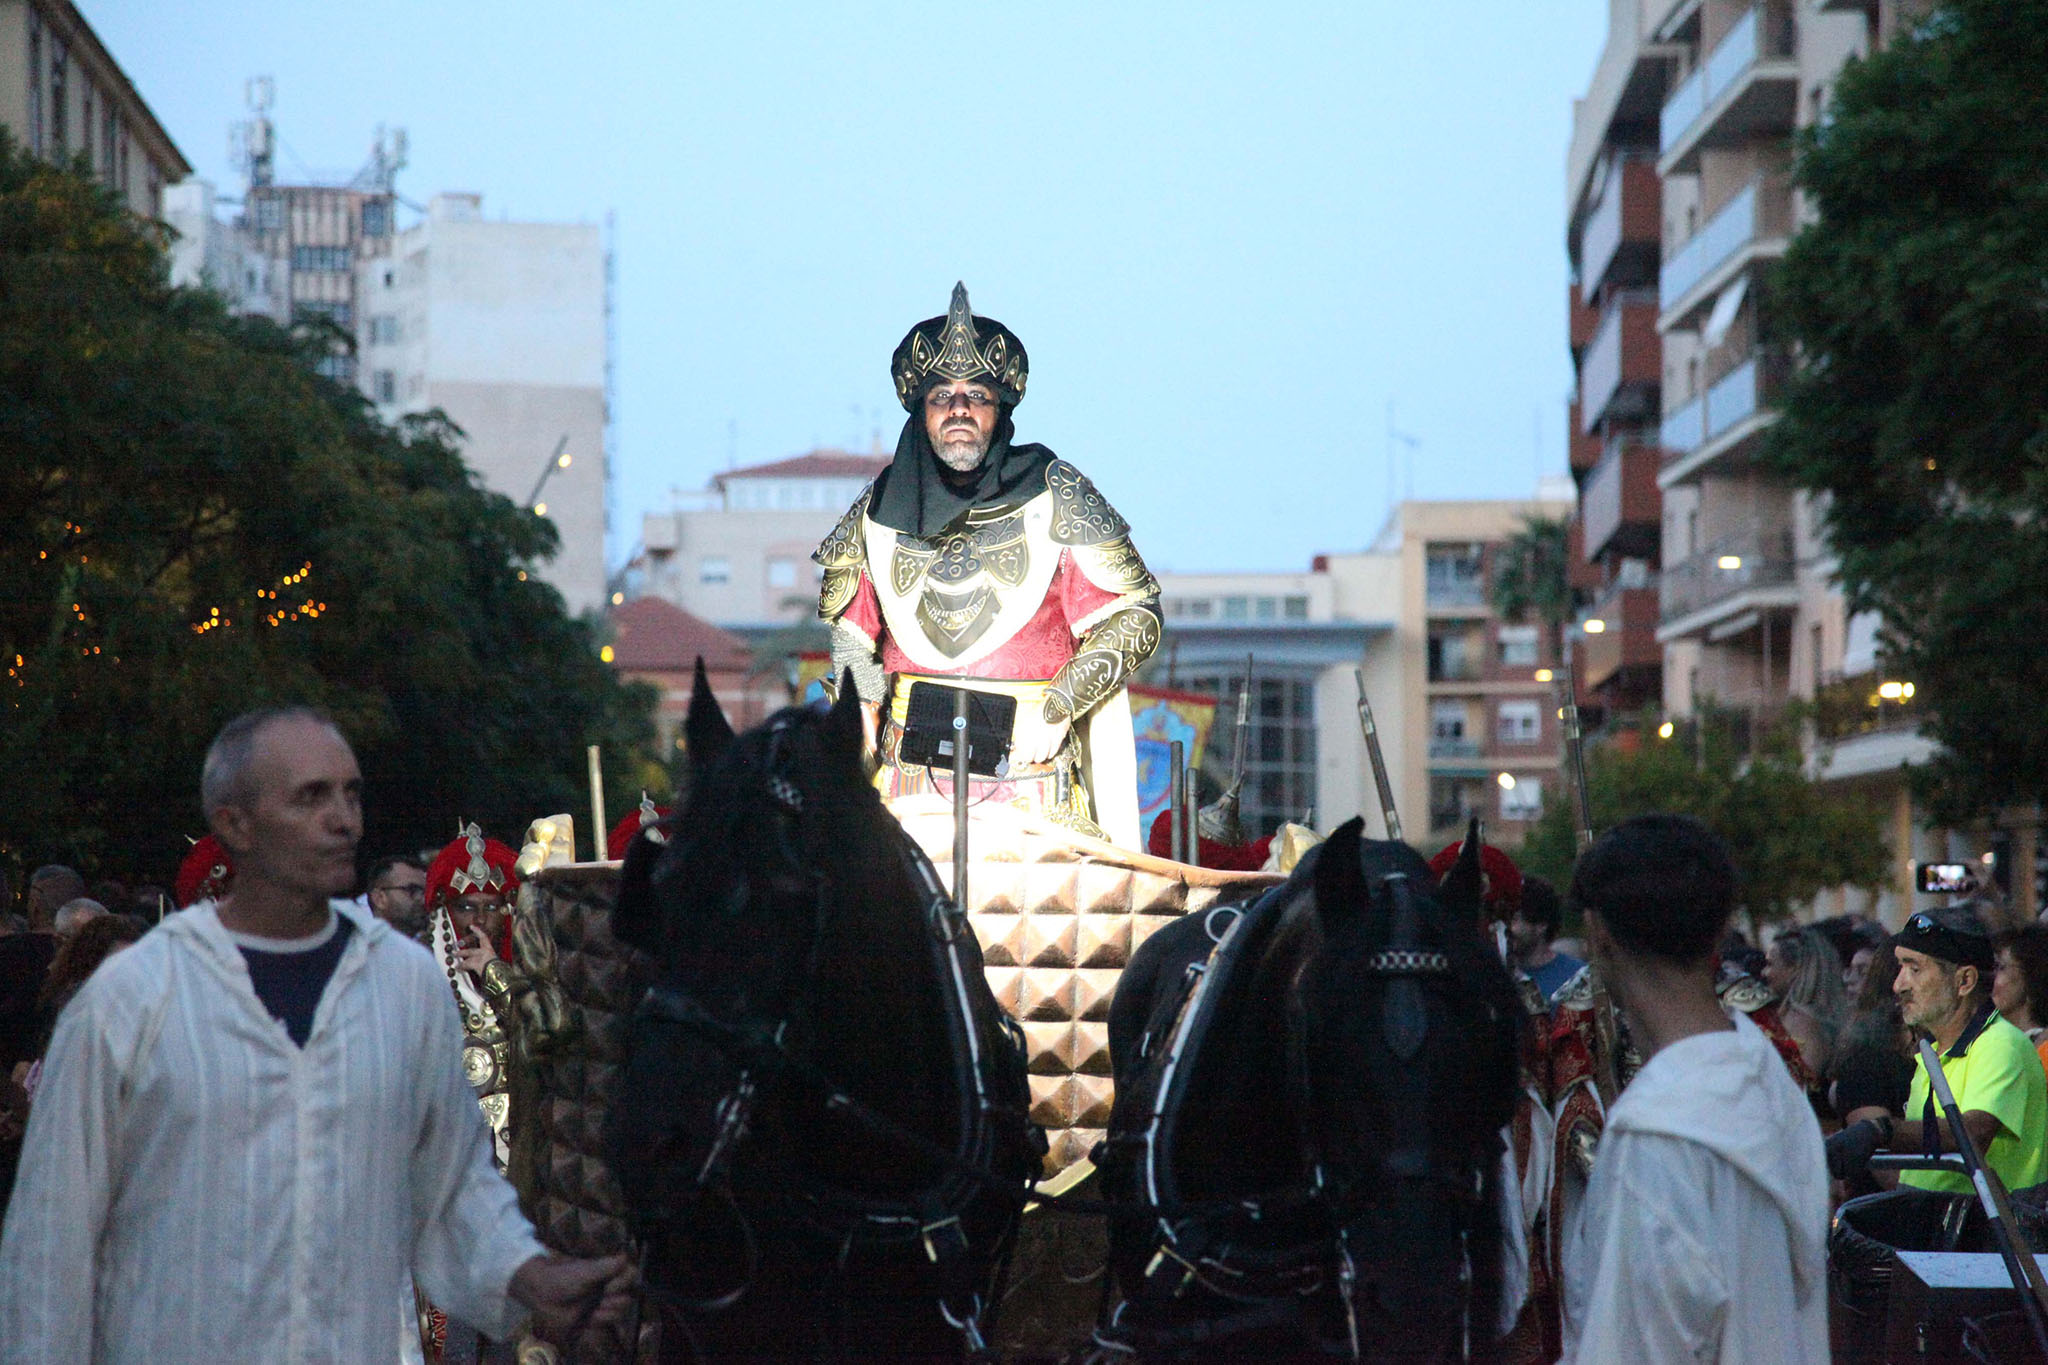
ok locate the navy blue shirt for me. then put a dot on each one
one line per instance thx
(1552, 975)
(290, 984)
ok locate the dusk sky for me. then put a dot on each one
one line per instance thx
(1229, 235)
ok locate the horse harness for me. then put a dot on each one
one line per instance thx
(932, 1217)
(1223, 1247)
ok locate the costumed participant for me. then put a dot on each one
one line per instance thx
(978, 562)
(499, 964)
(206, 873)
(648, 818)
(1475, 873)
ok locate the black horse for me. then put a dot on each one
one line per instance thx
(1307, 1123)
(822, 1102)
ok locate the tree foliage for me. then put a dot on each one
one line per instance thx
(1792, 837)
(1532, 580)
(198, 523)
(1916, 306)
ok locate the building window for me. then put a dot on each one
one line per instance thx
(326, 258)
(340, 368)
(1200, 608)
(60, 65)
(333, 310)
(376, 218)
(1523, 801)
(269, 213)
(1447, 737)
(1237, 608)
(714, 569)
(1517, 646)
(1519, 722)
(384, 385)
(1451, 658)
(1280, 747)
(781, 573)
(1295, 609)
(1452, 801)
(383, 329)
(1455, 575)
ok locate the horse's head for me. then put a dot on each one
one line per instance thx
(1402, 1047)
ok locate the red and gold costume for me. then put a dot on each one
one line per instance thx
(1030, 587)
(205, 874)
(648, 818)
(512, 1014)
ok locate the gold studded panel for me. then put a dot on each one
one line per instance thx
(1058, 916)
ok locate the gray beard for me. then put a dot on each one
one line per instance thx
(962, 453)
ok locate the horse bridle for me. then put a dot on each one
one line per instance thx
(933, 1217)
(1270, 1284)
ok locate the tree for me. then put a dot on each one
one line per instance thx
(1914, 305)
(197, 522)
(1792, 837)
(1532, 580)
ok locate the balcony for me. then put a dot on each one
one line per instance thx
(1622, 235)
(1583, 318)
(1583, 447)
(1747, 86)
(1621, 368)
(1458, 749)
(1859, 732)
(1722, 425)
(1745, 573)
(1629, 639)
(1753, 226)
(1620, 504)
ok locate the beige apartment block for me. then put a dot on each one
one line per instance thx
(1454, 689)
(1702, 98)
(63, 96)
(738, 552)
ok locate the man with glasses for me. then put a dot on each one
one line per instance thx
(977, 562)
(1944, 989)
(398, 894)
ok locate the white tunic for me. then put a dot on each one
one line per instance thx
(1703, 1233)
(195, 1187)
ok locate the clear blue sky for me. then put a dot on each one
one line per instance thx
(1228, 235)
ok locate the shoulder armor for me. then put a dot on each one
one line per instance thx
(846, 548)
(1080, 514)
(1745, 993)
(1577, 993)
(1532, 994)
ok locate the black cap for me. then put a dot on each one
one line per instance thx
(1953, 933)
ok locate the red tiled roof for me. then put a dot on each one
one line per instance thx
(651, 635)
(818, 464)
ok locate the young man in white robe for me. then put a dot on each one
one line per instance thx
(1703, 1232)
(253, 1123)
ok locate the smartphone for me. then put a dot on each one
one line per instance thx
(1944, 879)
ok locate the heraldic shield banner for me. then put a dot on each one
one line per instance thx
(1158, 718)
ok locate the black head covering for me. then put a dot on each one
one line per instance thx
(917, 495)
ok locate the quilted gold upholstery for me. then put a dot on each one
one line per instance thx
(1059, 915)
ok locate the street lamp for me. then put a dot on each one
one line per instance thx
(1594, 626)
(558, 459)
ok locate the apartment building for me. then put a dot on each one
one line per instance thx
(1466, 725)
(63, 96)
(738, 552)
(1700, 100)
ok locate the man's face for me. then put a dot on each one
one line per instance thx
(960, 418)
(1929, 990)
(303, 814)
(2008, 990)
(1527, 937)
(483, 910)
(399, 898)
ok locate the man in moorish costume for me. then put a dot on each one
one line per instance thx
(499, 963)
(978, 562)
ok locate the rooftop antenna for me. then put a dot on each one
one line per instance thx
(252, 143)
(1395, 438)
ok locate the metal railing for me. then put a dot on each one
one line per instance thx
(1762, 33)
(1759, 210)
(1736, 564)
(1456, 748)
(1600, 371)
(1849, 707)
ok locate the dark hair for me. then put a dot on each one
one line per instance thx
(1541, 904)
(383, 865)
(79, 956)
(62, 883)
(2028, 945)
(1663, 885)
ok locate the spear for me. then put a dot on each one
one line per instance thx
(1371, 730)
(1575, 757)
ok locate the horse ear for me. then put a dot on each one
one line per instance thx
(1463, 888)
(844, 734)
(705, 728)
(1340, 870)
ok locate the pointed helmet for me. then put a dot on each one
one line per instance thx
(959, 345)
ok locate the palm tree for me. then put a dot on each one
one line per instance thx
(1532, 580)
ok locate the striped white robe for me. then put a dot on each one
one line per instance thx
(196, 1188)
